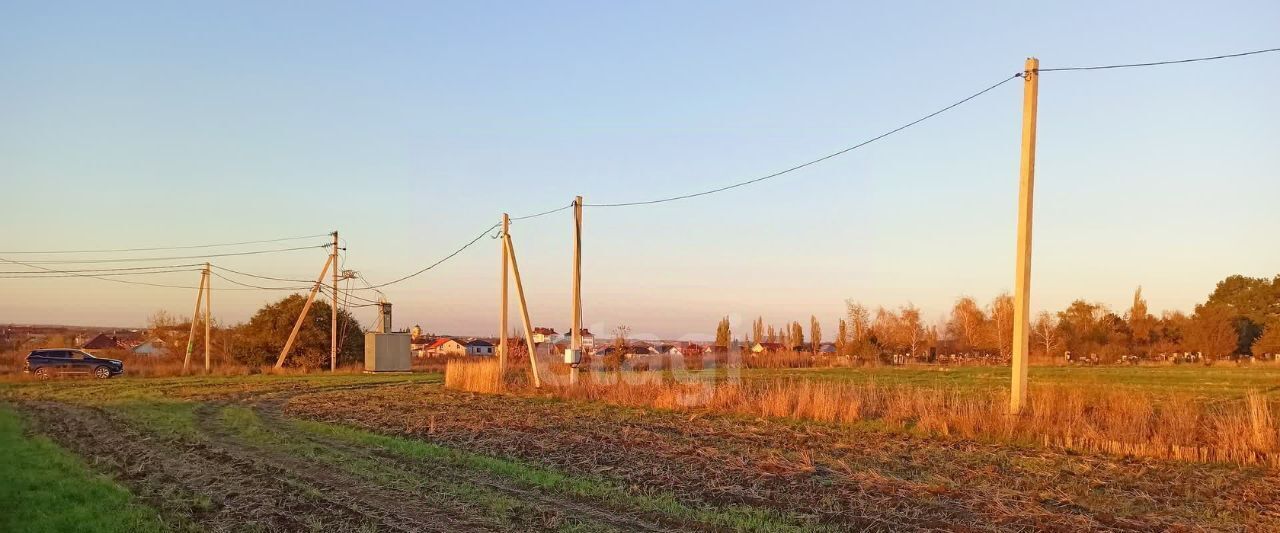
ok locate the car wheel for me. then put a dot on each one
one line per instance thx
(42, 373)
(102, 372)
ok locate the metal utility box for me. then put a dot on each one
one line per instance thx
(386, 352)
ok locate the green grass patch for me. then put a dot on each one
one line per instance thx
(167, 419)
(45, 488)
(737, 517)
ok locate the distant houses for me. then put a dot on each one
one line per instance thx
(116, 340)
(451, 347)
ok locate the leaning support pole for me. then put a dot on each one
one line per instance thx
(311, 297)
(1022, 276)
(524, 311)
(191, 336)
(208, 314)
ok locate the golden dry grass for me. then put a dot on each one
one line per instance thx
(1099, 419)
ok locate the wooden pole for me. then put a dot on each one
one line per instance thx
(311, 297)
(333, 311)
(575, 342)
(191, 336)
(502, 320)
(1022, 276)
(208, 312)
(524, 311)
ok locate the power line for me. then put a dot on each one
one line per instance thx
(186, 247)
(125, 281)
(251, 286)
(47, 275)
(260, 276)
(446, 258)
(140, 259)
(814, 161)
(1158, 63)
(104, 277)
(328, 291)
(536, 215)
(95, 270)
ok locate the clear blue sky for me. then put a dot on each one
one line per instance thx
(410, 127)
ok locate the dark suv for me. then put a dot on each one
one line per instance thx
(47, 363)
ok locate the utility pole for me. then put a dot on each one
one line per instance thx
(191, 336)
(575, 344)
(311, 297)
(524, 310)
(208, 298)
(502, 317)
(333, 311)
(1022, 276)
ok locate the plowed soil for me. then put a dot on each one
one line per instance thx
(241, 457)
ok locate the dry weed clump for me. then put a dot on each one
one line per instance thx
(473, 375)
(1123, 422)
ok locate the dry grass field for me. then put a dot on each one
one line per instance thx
(404, 453)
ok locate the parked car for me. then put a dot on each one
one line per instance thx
(51, 362)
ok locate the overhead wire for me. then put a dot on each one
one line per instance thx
(259, 287)
(95, 276)
(48, 275)
(142, 259)
(117, 269)
(260, 276)
(156, 248)
(812, 161)
(1159, 63)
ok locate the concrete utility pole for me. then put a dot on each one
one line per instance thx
(1022, 277)
(524, 310)
(208, 298)
(333, 312)
(502, 317)
(311, 297)
(575, 343)
(191, 336)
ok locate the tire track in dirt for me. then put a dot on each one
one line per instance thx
(621, 519)
(174, 477)
(398, 509)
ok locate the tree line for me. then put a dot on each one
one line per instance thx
(1240, 317)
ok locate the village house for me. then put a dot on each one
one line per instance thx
(153, 347)
(541, 335)
(444, 347)
(588, 339)
(767, 347)
(479, 347)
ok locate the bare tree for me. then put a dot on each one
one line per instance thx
(966, 324)
(1002, 323)
(1045, 330)
(909, 329)
(859, 321)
